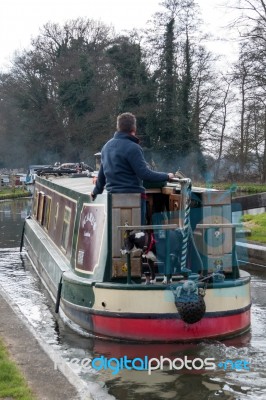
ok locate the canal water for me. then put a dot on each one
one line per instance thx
(68, 348)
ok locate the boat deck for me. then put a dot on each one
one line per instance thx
(85, 184)
(78, 184)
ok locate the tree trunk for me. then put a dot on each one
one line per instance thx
(264, 153)
(242, 123)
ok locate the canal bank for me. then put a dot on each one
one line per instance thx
(250, 211)
(46, 382)
(251, 254)
(14, 193)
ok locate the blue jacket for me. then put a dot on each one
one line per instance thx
(123, 167)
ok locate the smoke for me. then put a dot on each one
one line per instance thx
(192, 165)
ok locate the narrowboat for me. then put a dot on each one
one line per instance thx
(99, 284)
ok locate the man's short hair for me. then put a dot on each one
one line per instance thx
(126, 122)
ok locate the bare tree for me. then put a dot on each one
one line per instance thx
(250, 78)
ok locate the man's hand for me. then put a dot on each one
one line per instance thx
(171, 176)
(93, 196)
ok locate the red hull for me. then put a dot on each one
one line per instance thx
(172, 330)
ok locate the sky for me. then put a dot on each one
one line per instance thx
(20, 20)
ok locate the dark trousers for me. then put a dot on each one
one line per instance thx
(143, 211)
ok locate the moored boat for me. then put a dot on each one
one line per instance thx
(75, 245)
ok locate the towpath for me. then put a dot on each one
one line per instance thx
(46, 382)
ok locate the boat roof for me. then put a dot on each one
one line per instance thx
(85, 184)
(78, 184)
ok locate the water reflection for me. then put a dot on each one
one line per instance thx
(24, 289)
(12, 215)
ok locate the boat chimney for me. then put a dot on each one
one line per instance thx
(97, 161)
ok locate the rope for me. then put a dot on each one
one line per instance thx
(186, 194)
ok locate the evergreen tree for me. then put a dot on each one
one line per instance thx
(134, 85)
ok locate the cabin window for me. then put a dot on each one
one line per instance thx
(56, 215)
(46, 212)
(41, 202)
(35, 203)
(66, 228)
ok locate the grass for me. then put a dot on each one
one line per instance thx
(236, 187)
(12, 383)
(257, 225)
(13, 193)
